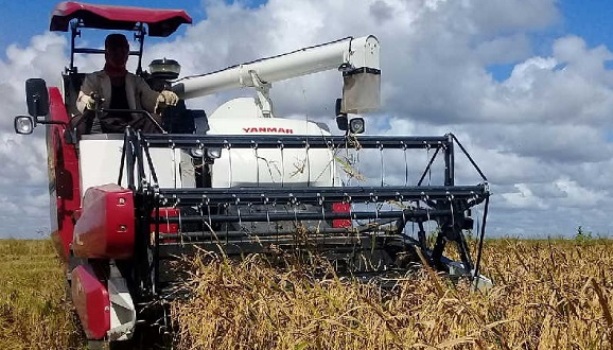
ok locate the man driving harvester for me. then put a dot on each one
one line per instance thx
(116, 88)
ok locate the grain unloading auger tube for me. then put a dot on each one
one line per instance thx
(345, 224)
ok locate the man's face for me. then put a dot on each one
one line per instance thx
(117, 55)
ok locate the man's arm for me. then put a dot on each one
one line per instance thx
(88, 86)
(152, 100)
(148, 96)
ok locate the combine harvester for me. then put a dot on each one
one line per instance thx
(125, 206)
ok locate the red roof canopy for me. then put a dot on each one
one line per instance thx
(160, 22)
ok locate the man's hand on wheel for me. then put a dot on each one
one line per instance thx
(90, 102)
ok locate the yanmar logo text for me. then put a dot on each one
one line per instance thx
(269, 129)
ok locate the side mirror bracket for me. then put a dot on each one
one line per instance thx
(37, 98)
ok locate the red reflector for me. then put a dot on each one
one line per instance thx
(165, 226)
(341, 207)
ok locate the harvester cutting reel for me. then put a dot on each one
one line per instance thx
(362, 230)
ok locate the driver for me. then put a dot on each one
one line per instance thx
(120, 89)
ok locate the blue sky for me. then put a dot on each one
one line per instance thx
(589, 19)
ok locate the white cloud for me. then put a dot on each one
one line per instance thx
(523, 198)
(542, 136)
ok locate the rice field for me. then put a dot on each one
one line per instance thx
(34, 313)
(548, 295)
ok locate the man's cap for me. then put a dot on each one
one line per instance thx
(116, 40)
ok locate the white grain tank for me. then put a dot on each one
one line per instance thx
(267, 167)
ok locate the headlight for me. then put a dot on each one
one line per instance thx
(213, 153)
(197, 152)
(357, 125)
(24, 125)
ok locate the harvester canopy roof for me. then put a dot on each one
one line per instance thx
(160, 22)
